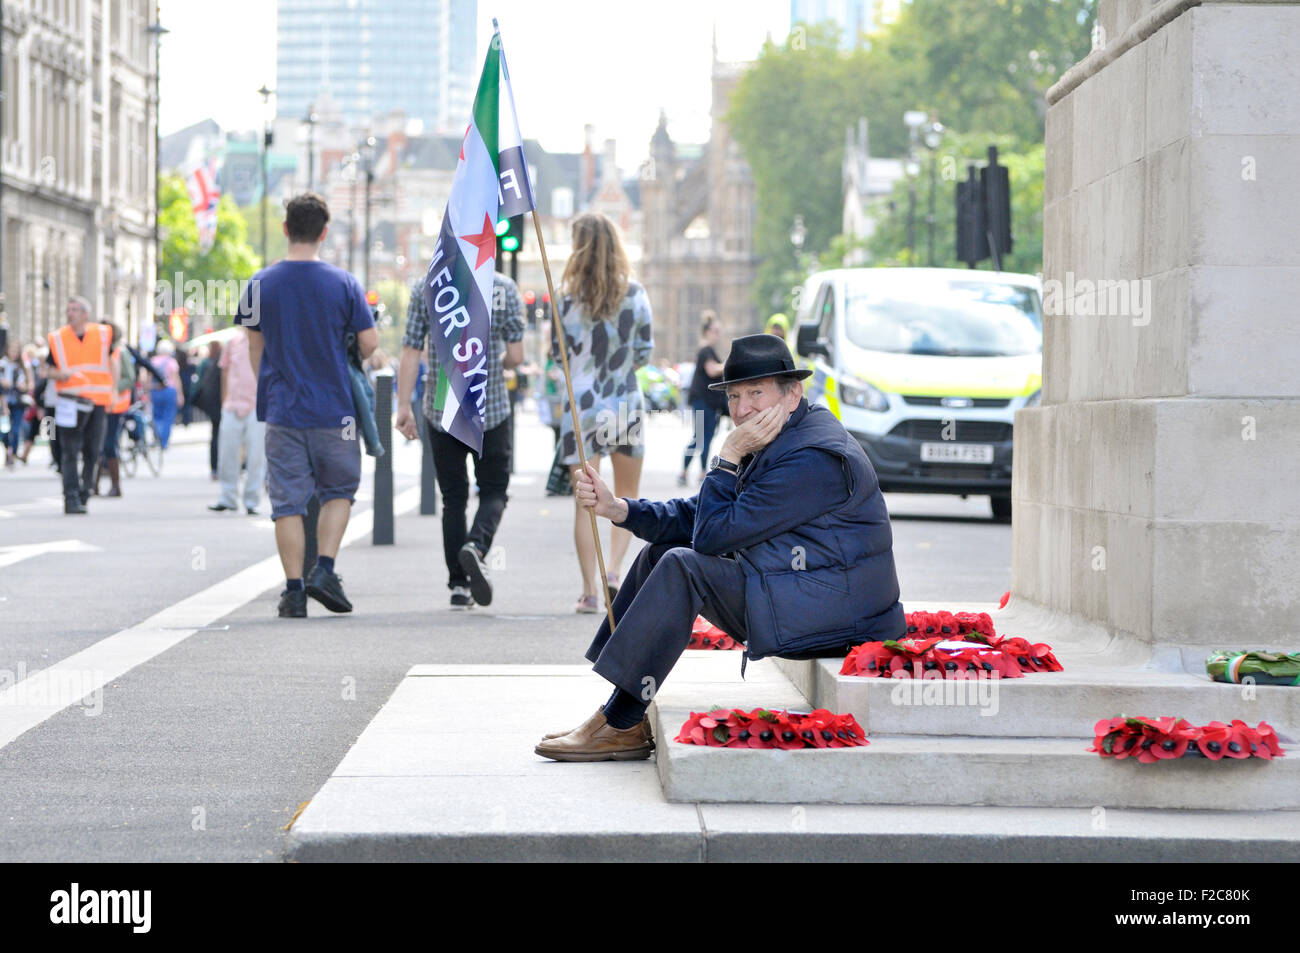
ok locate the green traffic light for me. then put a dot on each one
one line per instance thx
(510, 243)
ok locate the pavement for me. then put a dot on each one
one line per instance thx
(207, 723)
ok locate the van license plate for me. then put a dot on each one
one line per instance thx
(957, 453)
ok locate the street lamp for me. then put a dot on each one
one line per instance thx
(798, 234)
(914, 119)
(933, 137)
(156, 30)
(310, 119)
(350, 177)
(368, 153)
(266, 148)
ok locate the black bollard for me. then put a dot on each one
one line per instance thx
(428, 473)
(382, 533)
(309, 552)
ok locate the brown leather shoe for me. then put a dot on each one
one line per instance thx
(596, 740)
(560, 734)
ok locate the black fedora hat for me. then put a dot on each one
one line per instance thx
(755, 356)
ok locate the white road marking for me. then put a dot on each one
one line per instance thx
(43, 503)
(42, 694)
(16, 554)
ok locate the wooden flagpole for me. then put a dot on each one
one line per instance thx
(558, 329)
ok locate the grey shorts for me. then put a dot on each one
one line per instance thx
(316, 460)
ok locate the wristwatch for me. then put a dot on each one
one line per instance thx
(717, 463)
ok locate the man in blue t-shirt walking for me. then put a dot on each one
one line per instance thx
(301, 311)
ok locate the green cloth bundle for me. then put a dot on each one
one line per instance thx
(1262, 667)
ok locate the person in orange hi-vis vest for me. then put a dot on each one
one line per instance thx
(84, 372)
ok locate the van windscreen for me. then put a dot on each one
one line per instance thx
(953, 318)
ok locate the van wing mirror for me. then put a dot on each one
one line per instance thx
(807, 343)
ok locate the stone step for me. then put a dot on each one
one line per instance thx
(1001, 772)
(1044, 704)
(942, 770)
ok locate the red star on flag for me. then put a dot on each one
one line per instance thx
(486, 241)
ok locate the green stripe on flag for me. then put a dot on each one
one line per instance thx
(486, 100)
(440, 388)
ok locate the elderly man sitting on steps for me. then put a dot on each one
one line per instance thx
(787, 548)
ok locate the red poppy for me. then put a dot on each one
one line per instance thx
(867, 660)
(692, 733)
(1174, 742)
(1269, 745)
(1006, 597)
(1240, 740)
(1213, 740)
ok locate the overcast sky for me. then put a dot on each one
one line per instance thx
(612, 63)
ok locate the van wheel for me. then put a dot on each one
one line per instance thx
(1001, 507)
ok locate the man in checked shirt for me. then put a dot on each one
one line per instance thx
(465, 552)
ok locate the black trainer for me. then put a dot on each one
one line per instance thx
(461, 599)
(472, 563)
(327, 589)
(73, 504)
(293, 604)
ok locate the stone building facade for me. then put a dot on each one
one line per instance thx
(77, 147)
(698, 232)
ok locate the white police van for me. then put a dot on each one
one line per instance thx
(926, 367)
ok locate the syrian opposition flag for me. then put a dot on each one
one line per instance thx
(491, 184)
(205, 196)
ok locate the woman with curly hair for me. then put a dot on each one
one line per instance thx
(606, 320)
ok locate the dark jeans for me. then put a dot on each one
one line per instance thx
(491, 472)
(705, 422)
(112, 428)
(667, 587)
(14, 438)
(212, 444)
(85, 440)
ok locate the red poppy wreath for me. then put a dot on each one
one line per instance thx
(706, 635)
(950, 645)
(1161, 739)
(760, 728)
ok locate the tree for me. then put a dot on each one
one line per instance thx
(981, 67)
(277, 245)
(987, 64)
(393, 299)
(789, 114)
(207, 284)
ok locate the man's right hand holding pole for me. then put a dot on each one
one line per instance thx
(595, 495)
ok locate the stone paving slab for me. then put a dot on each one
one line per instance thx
(445, 772)
(828, 832)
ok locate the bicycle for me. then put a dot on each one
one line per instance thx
(137, 440)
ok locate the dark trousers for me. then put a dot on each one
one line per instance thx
(112, 430)
(87, 441)
(14, 438)
(705, 421)
(667, 587)
(213, 443)
(491, 472)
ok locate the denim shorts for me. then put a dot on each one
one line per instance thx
(300, 463)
